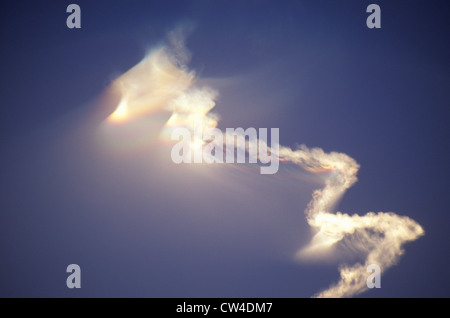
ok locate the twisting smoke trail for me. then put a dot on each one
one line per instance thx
(162, 82)
(384, 233)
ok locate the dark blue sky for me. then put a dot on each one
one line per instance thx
(311, 68)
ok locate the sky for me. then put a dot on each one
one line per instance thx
(78, 189)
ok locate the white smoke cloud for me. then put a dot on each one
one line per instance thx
(161, 82)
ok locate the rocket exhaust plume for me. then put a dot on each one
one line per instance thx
(384, 233)
(162, 82)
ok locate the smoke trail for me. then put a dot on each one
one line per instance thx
(162, 82)
(383, 233)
